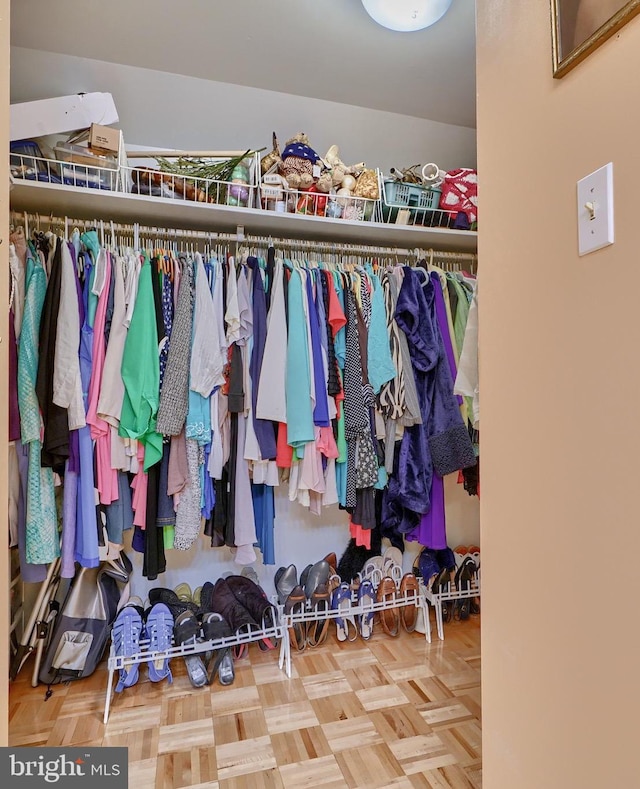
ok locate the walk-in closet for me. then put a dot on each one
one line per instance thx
(244, 438)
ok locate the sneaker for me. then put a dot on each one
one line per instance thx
(159, 630)
(125, 635)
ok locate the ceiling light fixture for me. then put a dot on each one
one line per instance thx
(406, 15)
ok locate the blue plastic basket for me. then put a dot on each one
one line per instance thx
(398, 194)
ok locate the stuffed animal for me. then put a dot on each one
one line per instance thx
(298, 161)
(339, 170)
(325, 182)
(272, 158)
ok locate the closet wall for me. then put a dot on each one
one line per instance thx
(559, 355)
(173, 111)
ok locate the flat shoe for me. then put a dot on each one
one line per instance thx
(332, 561)
(389, 617)
(317, 629)
(285, 582)
(409, 613)
(366, 597)
(317, 576)
(304, 575)
(346, 629)
(295, 604)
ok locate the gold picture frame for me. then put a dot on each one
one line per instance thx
(579, 27)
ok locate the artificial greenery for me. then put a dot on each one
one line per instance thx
(212, 170)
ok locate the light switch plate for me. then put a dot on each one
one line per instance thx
(595, 210)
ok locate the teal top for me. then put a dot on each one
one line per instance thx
(141, 373)
(300, 428)
(42, 541)
(380, 362)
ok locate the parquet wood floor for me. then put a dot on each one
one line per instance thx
(390, 712)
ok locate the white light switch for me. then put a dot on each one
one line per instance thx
(595, 210)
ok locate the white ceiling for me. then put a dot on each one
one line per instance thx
(328, 49)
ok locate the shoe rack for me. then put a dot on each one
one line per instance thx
(353, 613)
(146, 655)
(451, 595)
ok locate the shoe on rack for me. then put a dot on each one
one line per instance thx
(248, 571)
(426, 566)
(159, 631)
(474, 552)
(346, 629)
(317, 629)
(389, 617)
(296, 604)
(459, 552)
(446, 559)
(225, 603)
(220, 660)
(409, 613)
(255, 600)
(318, 575)
(160, 594)
(463, 579)
(186, 630)
(185, 595)
(304, 576)
(332, 560)
(286, 579)
(125, 634)
(442, 584)
(366, 597)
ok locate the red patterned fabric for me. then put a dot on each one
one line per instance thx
(460, 192)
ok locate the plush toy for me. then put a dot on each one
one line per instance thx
(298, 161)
(325, 182)
(272, 158)
(339, 170)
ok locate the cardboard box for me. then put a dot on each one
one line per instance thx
(62, 114)
(104, 139)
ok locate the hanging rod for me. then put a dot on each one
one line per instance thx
(146, 231)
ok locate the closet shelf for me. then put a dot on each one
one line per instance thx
(84, 203)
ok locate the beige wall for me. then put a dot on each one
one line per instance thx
(4, 299)
(141, 94)
(560, 362)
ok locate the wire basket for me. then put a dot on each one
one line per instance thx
(153, 181)
(26, 162)
(276, 195)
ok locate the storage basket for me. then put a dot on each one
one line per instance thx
(185, 184)
(398, 194)
(412, 204)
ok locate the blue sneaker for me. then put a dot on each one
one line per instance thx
(159, 630)
(125, 635)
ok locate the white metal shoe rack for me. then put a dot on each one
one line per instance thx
(147, 655)
(451, 594)
(355, 611)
